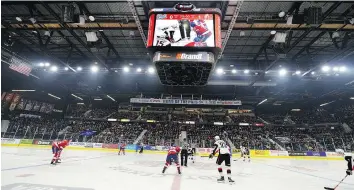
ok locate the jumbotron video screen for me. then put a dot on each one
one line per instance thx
(184, 30)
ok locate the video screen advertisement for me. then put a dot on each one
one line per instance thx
(184, 30)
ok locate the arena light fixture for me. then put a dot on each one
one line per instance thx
(56, 97)
(91, 18)
(80, 103)
(76, 97)
(151, 70)
(298, 72)
(79, 68)
(138, 70)
(94, 68)
(313, 72)
(233, 71)
(342, 69)
(97, 99)
(262, 101)
(335, 68)
(352, 98)
(111, 98)
(325, 68)
(126, 69)
(66, 68)
(282, 72)
(219, 71)
(19, 19)
(54, 68)
(41, 64)
(246, 71)
(23, 90)
(273, 32)
(47, 64)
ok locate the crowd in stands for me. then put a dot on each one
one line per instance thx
(292, 131)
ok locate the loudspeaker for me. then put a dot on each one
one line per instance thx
(313, 15)
(68, 12)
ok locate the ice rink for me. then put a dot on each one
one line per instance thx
(29, 168)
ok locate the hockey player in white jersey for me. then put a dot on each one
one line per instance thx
(245, 152)
(224, 156)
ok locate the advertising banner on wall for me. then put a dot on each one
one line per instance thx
(97, 145)
(162, 148)
(10, 141)
(333, 154)
(310, 153)
(26, 141)
(278, 153)
(297, 153)
(112, 146)
(261, 152)
(42, 142)
(77, 144)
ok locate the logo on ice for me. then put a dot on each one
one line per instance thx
(189, 56)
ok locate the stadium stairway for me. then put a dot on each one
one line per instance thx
(140, 136)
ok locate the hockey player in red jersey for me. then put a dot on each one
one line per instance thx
(201, 29)
(122, 149)
(57, 147)
(172, 156)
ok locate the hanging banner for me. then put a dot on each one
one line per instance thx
(15, 101)
(185, 102)
(21, 104)
(3, 95)
(36, 106)
(29, 105)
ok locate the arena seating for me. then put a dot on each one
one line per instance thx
(298, 133)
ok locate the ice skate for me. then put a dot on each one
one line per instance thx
(221, 180)
(230, 180)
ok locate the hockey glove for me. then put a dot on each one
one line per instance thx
(211, 156)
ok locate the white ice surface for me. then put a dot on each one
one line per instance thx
(27, 168)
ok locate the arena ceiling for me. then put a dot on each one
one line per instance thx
(248, 46)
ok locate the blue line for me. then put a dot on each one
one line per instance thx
(38, 165)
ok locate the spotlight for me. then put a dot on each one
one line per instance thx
(79, 68)
(219, 71)
(233, 71)
(151, 70)
(335, 69)
(138, 70)
(342, 69)
(298, 72)
(19, 19)
(66, 68)
(94, 68)
(116, 71)
(246, 71)
(54, 68)
(281, 14)
(282, 72)
(273, 32)
(325, 68)
(126, 69)
(41, 64)
(46, 64)
(131, 64)
(91, 18)
(312, 73)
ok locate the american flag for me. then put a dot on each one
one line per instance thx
(20, 66)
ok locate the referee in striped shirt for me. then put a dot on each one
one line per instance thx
(184, 152)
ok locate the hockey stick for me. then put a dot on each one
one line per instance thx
(329, 188)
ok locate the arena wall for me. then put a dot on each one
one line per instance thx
(203, 152)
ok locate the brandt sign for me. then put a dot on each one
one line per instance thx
(189, 56)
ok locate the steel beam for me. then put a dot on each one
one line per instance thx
(264, 46)
(137, 20)
(45, 52)
(231, 26)
(325, 15)
(309, 44)
(72, 32)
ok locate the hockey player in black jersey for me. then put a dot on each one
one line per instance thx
(224, 155)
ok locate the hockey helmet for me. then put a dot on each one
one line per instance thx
(216, 138)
